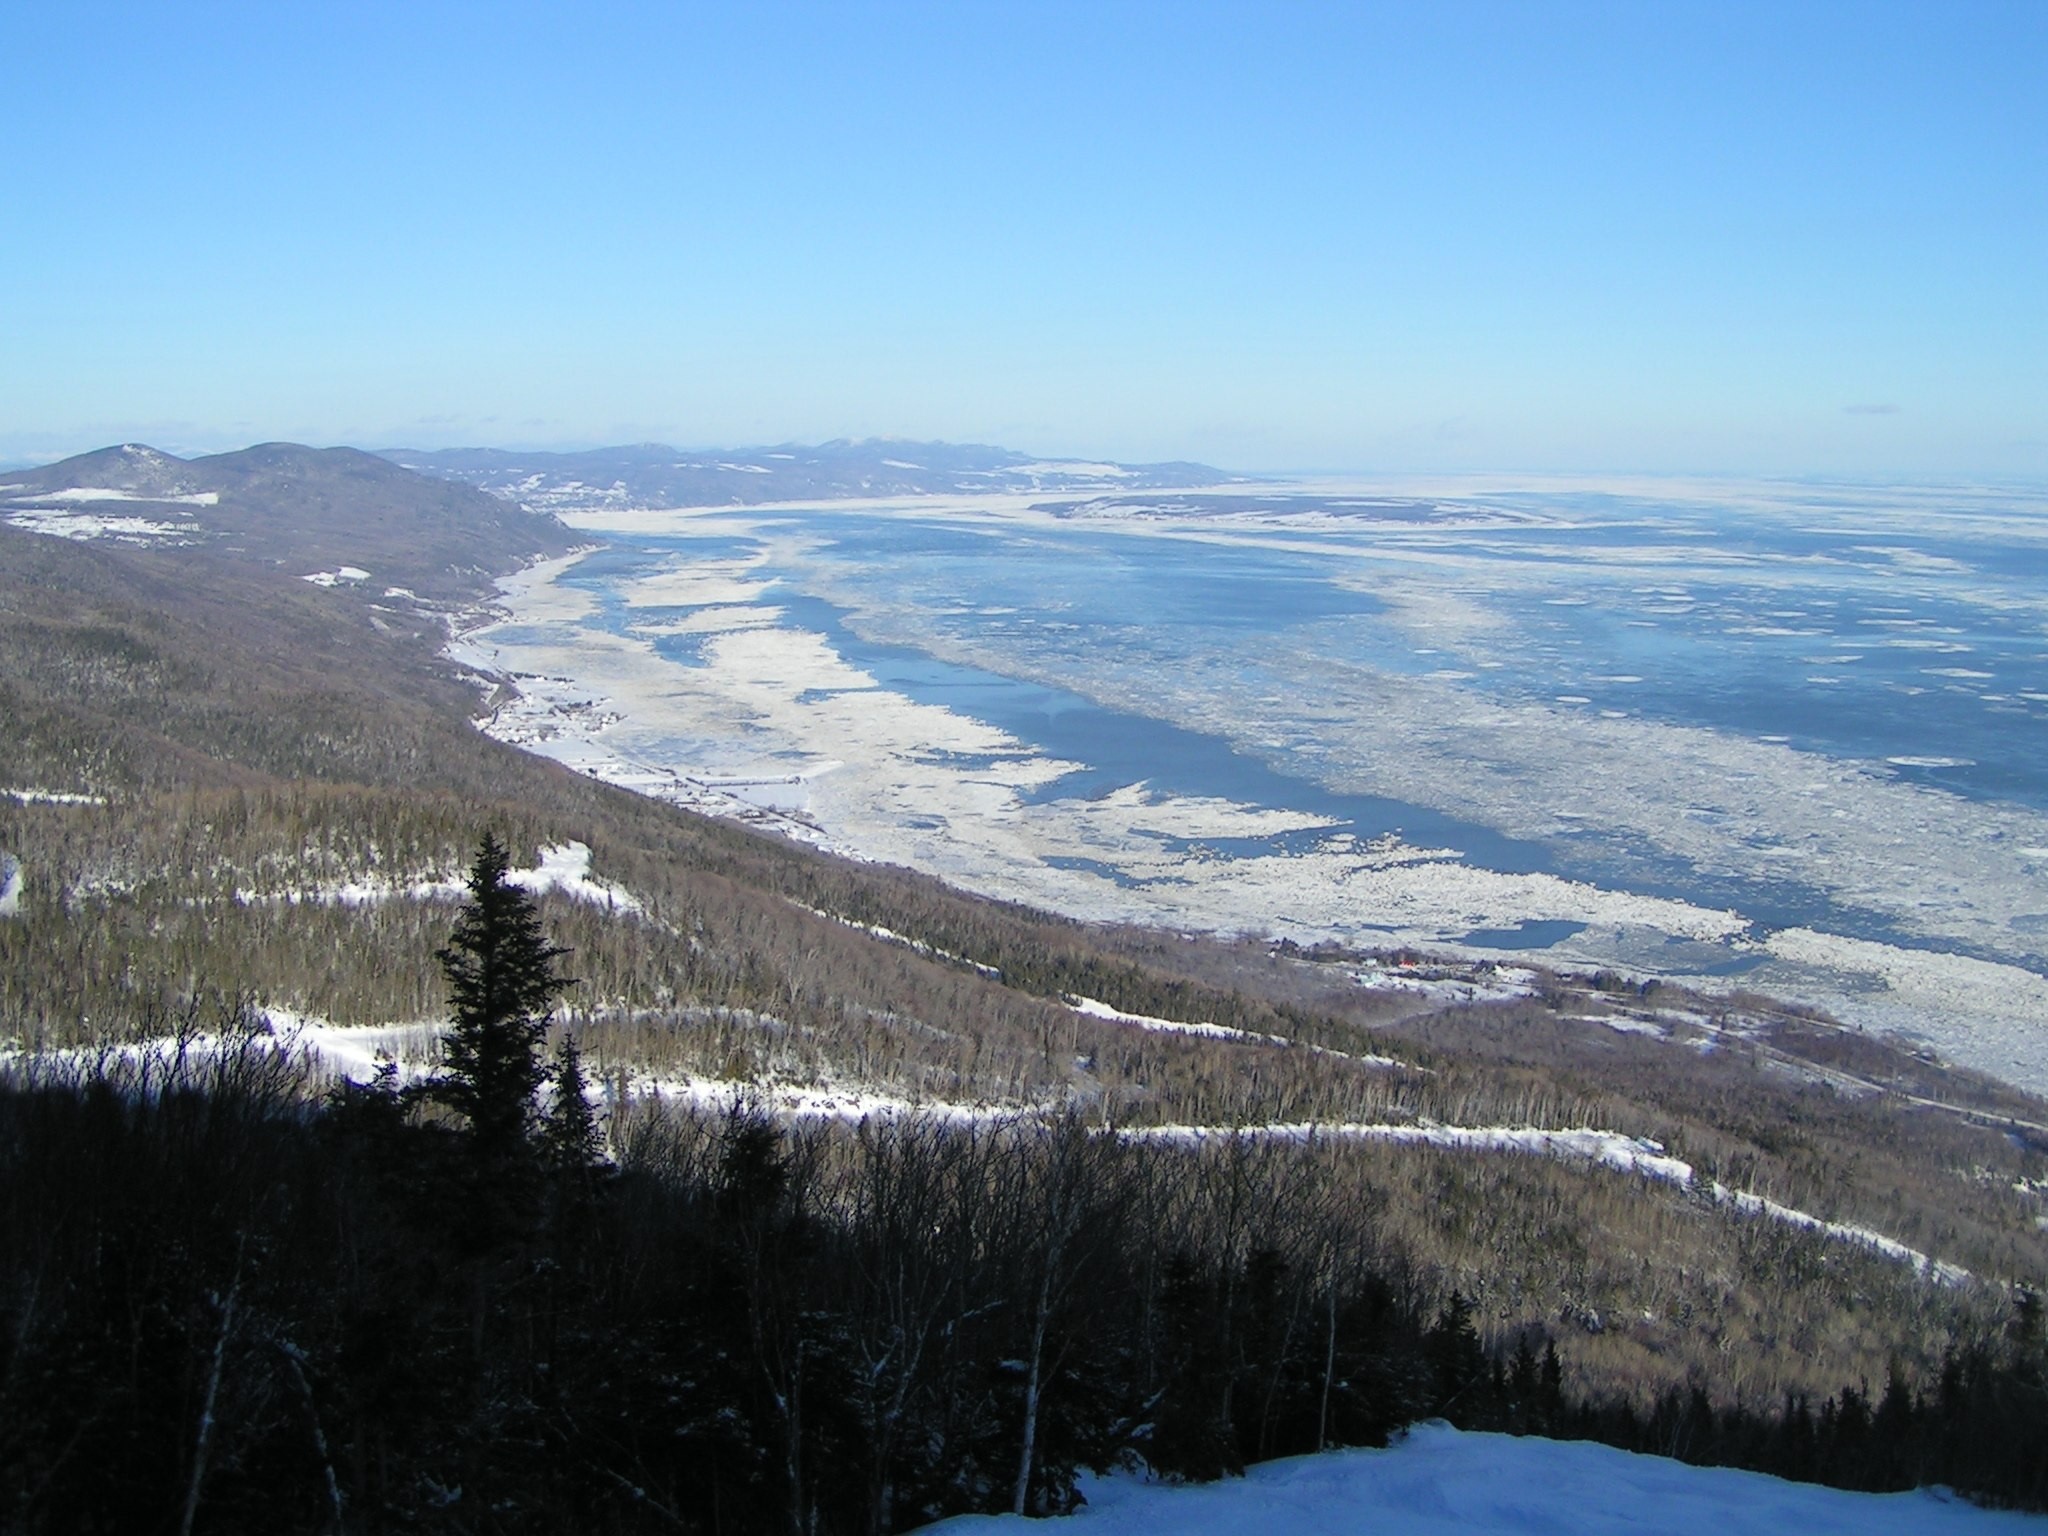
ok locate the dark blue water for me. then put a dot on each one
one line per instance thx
(1537, 933)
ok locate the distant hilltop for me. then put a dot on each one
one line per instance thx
(653, 475)
(309, 511)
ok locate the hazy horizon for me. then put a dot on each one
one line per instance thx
(1468, 481)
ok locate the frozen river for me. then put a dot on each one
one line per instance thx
(1786, 734)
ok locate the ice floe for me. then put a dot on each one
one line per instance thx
(720, 583)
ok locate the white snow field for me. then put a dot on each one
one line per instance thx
(80, 512)
(1441, 1482)
(67, 523)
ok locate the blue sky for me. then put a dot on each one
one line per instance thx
(1789, 238)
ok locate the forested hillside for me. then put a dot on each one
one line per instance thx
(308, 512)
(884, 1160)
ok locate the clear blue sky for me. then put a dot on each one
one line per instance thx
(1792, 237)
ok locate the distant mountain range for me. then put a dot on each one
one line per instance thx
(652, 475)
(312, 511)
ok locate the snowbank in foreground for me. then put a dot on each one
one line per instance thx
(1439, 1482)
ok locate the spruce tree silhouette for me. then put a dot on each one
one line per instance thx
(570, 1141)
(502, 982)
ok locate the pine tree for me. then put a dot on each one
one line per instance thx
(1551, 1391)
(1525, 1411)
(570, 1141)
(1457, 1359)
(502, 982)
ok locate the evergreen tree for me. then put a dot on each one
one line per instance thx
(1457, 1360)
(502, 982)
(1551, 1391)
(570, 1141)
(1524, 1389)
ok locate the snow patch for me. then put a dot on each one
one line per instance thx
(297, 1039)
(92, 493)
(1091, 1008)
(98, 525)
(1445, 988)
(1626, 1024)
(50, 797)
(358, 1051)
(1891, 1248)
(563, 869)
(349, 575)
(849, 1106)
(1439, 1481)
(890, 936)
(1610, 1149)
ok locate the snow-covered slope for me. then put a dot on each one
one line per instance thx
(1440, 1482)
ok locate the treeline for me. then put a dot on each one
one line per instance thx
(226, 1308)
(269, 1315)
(1981, 1427)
